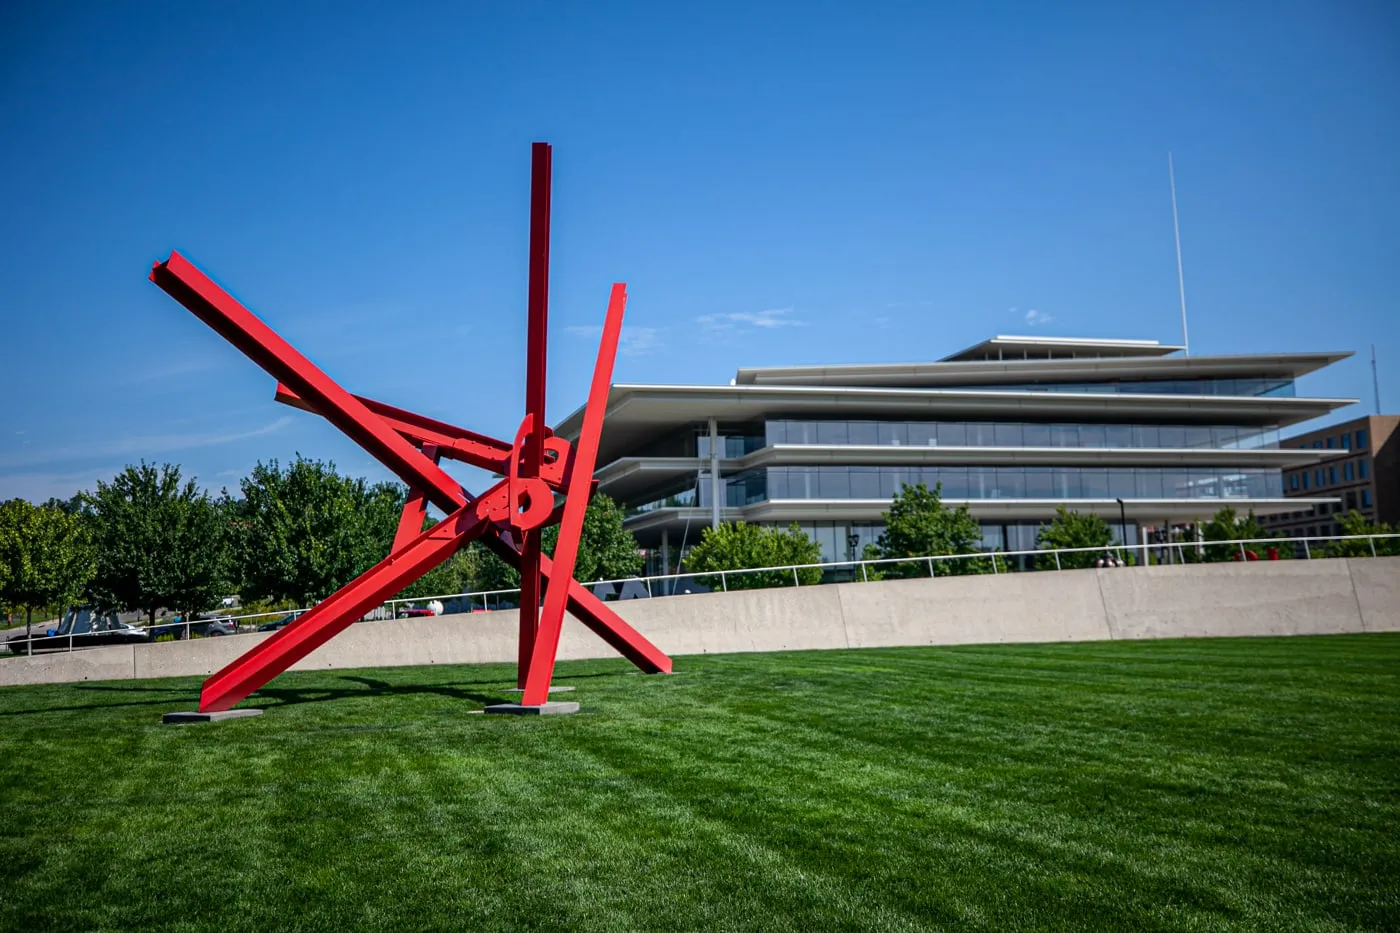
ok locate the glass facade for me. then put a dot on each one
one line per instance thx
(1000, 482)
(1020, 434)
(847, 541)
(1278, 388)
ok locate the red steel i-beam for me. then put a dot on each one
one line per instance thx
(390, 435)
(536, 356)
(179, 278)
(333, 615)
(546, 646)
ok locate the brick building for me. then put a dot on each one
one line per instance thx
(1360, 470)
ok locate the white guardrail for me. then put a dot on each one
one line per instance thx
(677, 584)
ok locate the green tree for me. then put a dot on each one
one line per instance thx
(606, 550)
(160, 542)
(1229, 525)
(1354, 523)
(741, 546)
(12, 554)
(303, 532)
(47, 556)
(1071, 529)
(918, 524)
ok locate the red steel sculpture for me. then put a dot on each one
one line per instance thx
(508, 517)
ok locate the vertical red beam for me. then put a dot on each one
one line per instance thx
(575, 507)
(536, 352)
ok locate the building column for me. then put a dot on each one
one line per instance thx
(665, 551)
(716, 488)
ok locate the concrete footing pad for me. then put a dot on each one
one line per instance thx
(552, 708)
(183, 718)
(551, 690)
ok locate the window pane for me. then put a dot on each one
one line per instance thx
(1121, 484)
(954, 481)
(1036, 435)
(893, 432)
(1092, 435)
(1039, 483)
(833, 483)
(952, 435)
(1008, 435)
(1173, 437)
(832, 432)
(1094, 484)
(1119, 435)
(1146, 435)
(1148, 484)
(922, 434)
(979, 435)
(864, 432)
(865, 483)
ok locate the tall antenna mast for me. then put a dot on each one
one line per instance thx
(1375, 380)
(1180, 280)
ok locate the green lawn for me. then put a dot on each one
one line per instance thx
(1225, 784)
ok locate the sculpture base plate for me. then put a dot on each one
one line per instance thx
(551, 690)
(552, 708)
(185, 718)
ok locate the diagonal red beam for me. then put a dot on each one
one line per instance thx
(546, 645)
(330, 617)
(179, 278)
(452, 442)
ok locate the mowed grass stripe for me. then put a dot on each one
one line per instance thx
(1212, 784)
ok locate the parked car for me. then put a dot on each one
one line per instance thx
(278, 624)
(81, 627)
(197, 627)
(414, 612)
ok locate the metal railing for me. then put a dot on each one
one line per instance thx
(675, 584)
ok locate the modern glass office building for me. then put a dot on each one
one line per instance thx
(1014, 427)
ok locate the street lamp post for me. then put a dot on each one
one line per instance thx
(1123, 531)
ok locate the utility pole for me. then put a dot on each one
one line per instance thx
(1180, 279)
(1375, 381)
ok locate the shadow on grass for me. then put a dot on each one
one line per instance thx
(292, 696)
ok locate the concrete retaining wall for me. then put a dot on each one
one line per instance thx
(1318, 597)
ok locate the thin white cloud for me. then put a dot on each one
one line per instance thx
(635, 341)
(764, 320)
(1034, 317)
(189, 369)
(137, 446)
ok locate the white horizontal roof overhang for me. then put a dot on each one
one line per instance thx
(972, 372)
(639, 413)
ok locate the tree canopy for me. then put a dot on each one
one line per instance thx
(46, 555)
(741, 546)
(1071, 529)
(301, 532)
(159, 542)
(1229, 525)
(918, 524)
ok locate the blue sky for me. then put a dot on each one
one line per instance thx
(778, 184)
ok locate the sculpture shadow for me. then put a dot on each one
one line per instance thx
(370, 687)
